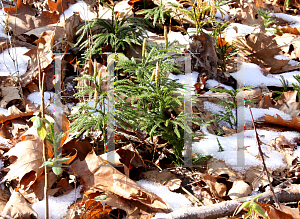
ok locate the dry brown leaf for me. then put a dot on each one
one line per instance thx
(4, 131)
(205, 59)
(95, 209)
(36, 191)
(219, 167)
(59, 5)
(216, 188)
(23, 18)
(10, 96)
(18, 125)
(295, 123)
(289, 44)
(4, 197)
(263, 48)
(130, 157)
(18, 207)
(203, 194)
(248, 15)
(255, 177)
(274, 213)
(292, 211)
(43, 50)
(288, 103)
(71, 26)
(14, 112)
(76, 146)
(289, 29)
(28, 167)
(266, 102)
(239, 189)
(281, 143)
(98, 175)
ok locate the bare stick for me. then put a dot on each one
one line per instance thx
(41, 83)
(263, 160)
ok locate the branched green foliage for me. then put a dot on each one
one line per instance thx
(200, 11)
(268, 21)
(285, 85)
(253, 208)
(55, 138)
(90, 117)
(143, 68)
(297, 86)
(118, 32)
(230, 105)
(157, 14)
(224, 50)
(156, 105)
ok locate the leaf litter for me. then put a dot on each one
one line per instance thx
(96, 179)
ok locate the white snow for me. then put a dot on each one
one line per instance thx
(175, 200)
(36, 99)
(80, 7)
(58, 206)
(229, 155)
(293, 20)
(250, 74)
(2, 24)
(283, 57)
(7, 66)
(3, 111)
(213, 83)
(223, 14)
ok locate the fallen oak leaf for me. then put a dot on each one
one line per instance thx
(18, 207)
(29, 162)
(23, 18)
(98, 175)
(274, 213)
(14, 112)
(295, 123)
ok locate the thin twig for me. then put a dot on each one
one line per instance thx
(263, 161)
(41, 84)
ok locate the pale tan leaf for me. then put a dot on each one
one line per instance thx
(27, 167)
(18, 207)
(98, 175)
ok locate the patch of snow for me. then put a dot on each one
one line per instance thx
(250, 74)
(181, 79)
(283, 57)
(2, 24)
(222, 14)
(229, 155)
(7, 66)
(80, 7)
(256, 112)
(213, 83)
(36, 99)
(3, 111)
(293, 20)
(172, 36)
(175, 200)
(58, 206)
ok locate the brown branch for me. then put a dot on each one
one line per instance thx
(227, 208)
(263, 159)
